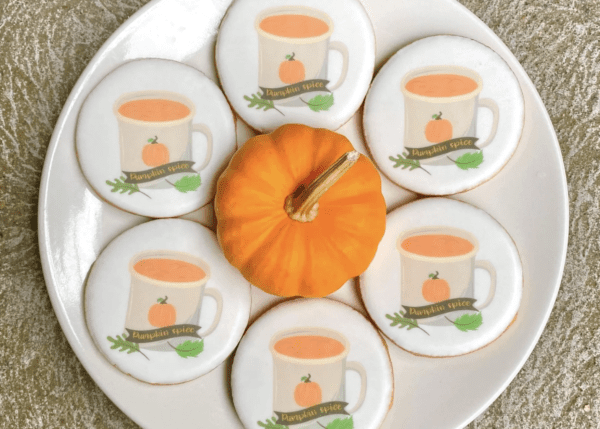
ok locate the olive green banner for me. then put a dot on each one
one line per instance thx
(441, 148)
(443, 307)
(314, 412)
(294, 89)
(159, 172)
(160, 334)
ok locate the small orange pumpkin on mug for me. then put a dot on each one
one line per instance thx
(155, 154)
(438, 130)
(291, 71)
(435, 289)
(162, 314)
(307, 393)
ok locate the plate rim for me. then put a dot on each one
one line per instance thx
(44, 242)
(565, 195)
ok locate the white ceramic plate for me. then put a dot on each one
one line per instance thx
(528, 197)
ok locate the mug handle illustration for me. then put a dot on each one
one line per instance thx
(490, 104)
(216, 295)
(355, 366)
(487, 265)
(342, 49)
(209, 144)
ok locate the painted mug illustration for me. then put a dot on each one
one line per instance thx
(155, 136)
(165, 299)
(438, 265)
(294, 45)
(440, 112)
(309, 377)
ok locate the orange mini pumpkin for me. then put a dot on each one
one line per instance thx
(162, 314)
(307, 393)
(299, 212)
(291, 71)
(155, 154)
(435, 289)
(439, 130)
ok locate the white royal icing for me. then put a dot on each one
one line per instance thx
(443, 305)
(166, 330)
(149, 166)
(432, 142)
(315, 70)
(350, 386)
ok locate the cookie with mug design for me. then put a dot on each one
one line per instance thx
(153, 136)
(308, 62)
(162, 303)
(446, 280)
(312, 364)
(443, 115)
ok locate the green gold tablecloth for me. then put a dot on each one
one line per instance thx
(44, 47)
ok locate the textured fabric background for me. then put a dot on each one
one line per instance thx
(44, 47)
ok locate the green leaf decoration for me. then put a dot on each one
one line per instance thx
(320, 102)
(270, 424)
(259, 103)
(120, 185)
(404, 322)
(190, 348)
(188, 183)
(468, 160)
(347, 423)
(123, 345)
(469, 322)
(404, 163)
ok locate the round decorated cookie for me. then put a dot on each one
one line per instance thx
(443, 115)
(153, 136)
(446, 279)
(163, 304)
(312, 364)
(295, 61)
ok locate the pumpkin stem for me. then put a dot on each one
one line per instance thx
(306, 379)
(439, 117)
(434, 276)
(303, 204)
(162, 301)
(291, 57)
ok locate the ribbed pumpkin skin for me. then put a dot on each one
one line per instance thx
(282, 256)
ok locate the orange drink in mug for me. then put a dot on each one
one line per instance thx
(438, 264)
(309, 369)
(441, 103)
(168, 289)
(294, 45)
(155, 129)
